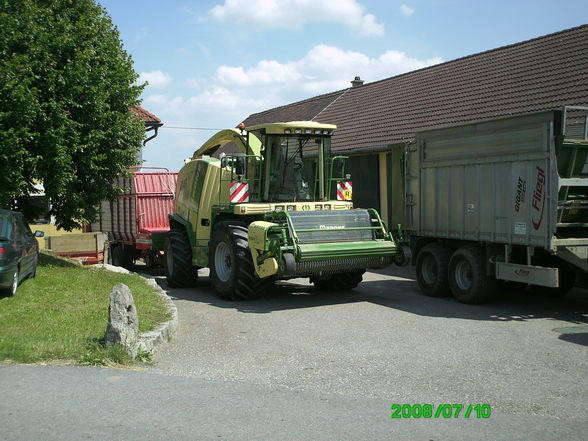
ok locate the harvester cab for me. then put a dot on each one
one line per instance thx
(268, 203)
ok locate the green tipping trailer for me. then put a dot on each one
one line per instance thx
(271, 203)
(496, 200)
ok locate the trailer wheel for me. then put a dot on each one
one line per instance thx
(231, 267)
(432, 268)
(468, 279)
(339, 282)
(122, 257)
(178, 260)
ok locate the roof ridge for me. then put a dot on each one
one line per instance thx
(465, 57)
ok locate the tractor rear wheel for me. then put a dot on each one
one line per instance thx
(231, 266)
(179, 271)
(339, 282)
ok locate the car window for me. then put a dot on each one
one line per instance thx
(4, 224)
(26, 228)
(17, 233)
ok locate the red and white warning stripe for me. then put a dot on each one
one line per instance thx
(344, 191)
(239, 192)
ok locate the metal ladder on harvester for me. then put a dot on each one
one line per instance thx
(572, 165)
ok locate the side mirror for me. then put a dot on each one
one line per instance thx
(39, 233)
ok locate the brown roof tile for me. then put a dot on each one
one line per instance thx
(540, 74)
(300, 111)
(145, 115)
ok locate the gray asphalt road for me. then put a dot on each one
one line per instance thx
(525, 356)
(70, 403)
(304, 365)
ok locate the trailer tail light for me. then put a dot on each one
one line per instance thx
(2, 251)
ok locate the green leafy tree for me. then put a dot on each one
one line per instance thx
(66, 90)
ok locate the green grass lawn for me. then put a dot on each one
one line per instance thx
(62, 314)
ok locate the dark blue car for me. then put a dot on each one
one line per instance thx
(19, 251)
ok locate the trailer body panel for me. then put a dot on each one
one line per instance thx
(492, 181)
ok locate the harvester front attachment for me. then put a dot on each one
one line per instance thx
(319, 244)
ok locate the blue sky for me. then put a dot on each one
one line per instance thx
(210, 64)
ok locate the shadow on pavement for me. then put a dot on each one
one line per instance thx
(397, 288)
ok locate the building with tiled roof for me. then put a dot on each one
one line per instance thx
(545, 73)
(152, 123)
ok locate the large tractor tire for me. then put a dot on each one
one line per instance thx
(468, 279)
(179, 271)
(432, 265)
(339, 282)
(231, 267)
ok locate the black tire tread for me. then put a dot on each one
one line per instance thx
(184, 274)
(484, 286)
(247, 284)
(442, 255)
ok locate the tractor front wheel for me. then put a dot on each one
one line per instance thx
(231, 266)
(339, 282)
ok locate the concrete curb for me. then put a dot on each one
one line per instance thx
(163, 332)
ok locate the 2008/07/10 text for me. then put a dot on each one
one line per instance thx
(454, 410)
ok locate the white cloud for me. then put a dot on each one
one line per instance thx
(235, 92)
(293, 13)
(323, 69)
(406, 10)
(156, 79)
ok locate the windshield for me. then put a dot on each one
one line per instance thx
(289, 181)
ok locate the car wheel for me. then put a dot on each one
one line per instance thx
(11, 291)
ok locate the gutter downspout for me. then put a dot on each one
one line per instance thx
(150, 127)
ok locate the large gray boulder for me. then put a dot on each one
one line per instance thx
(123, 323)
